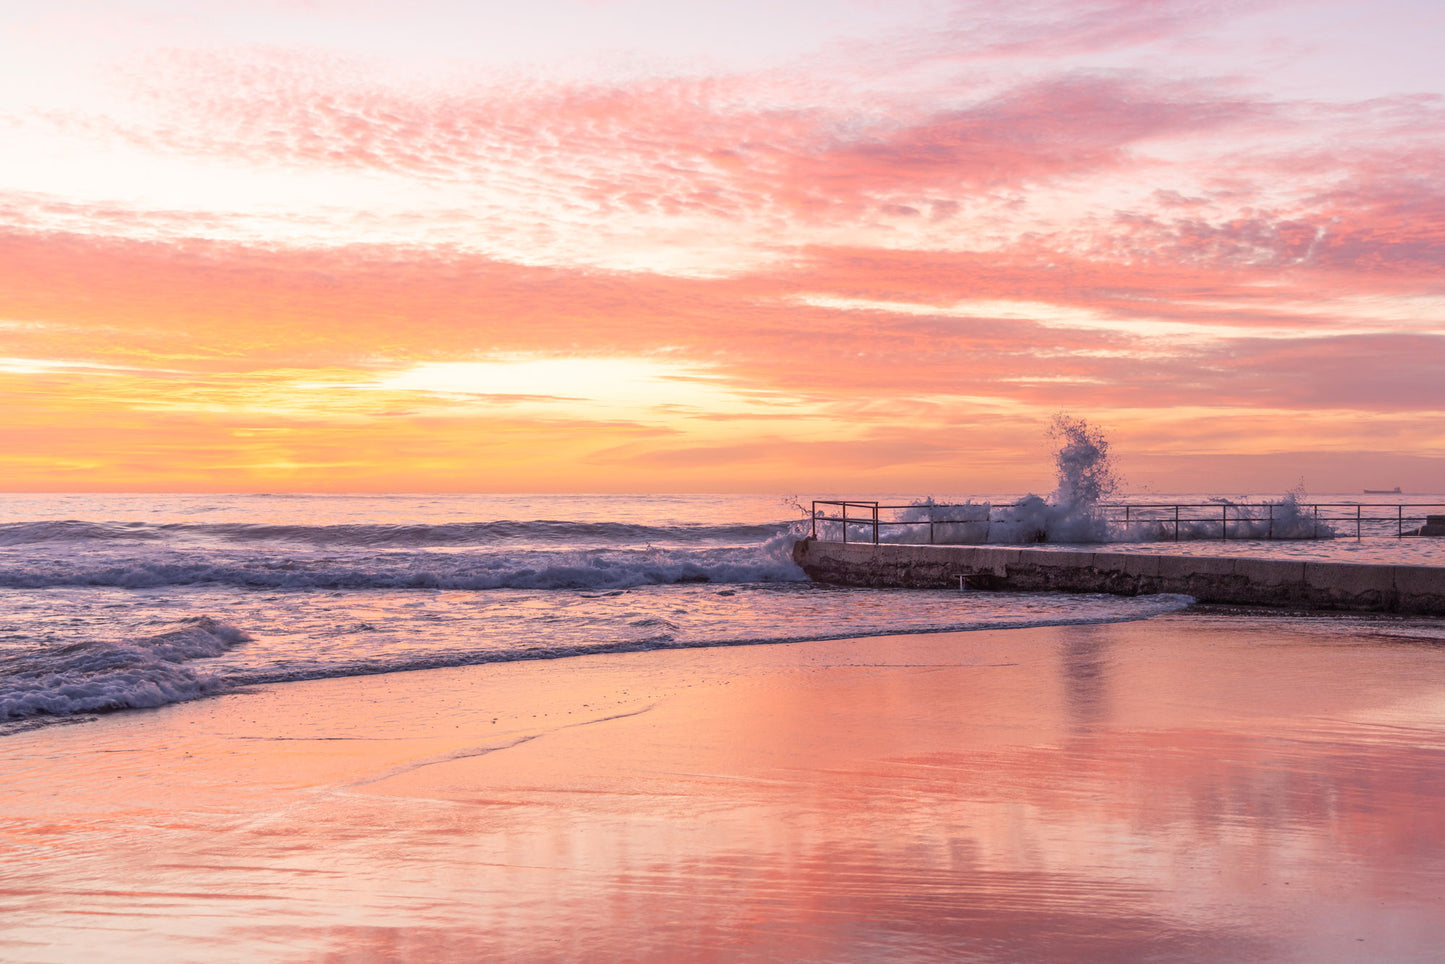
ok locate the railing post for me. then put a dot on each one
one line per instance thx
(845, 523)
(1271, 520)
(815, 518)
(1224, 522)
(1399, 522)
(875, 523)
(1176, 523)
(1357, 523)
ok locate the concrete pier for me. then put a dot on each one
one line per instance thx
(1209, 579)
(1434, 526)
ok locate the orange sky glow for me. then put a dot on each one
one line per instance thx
(640, 246)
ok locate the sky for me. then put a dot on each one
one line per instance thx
(815, 247)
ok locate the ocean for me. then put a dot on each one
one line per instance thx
(116, 602)
(1103, 778)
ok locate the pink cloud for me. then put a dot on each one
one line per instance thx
(1363, 234)
(725, 146)
(1038, 28)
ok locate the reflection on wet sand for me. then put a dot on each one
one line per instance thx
(1084, 662)
(1189, 787)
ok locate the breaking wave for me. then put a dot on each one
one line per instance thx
(524, 568)
(102, 676)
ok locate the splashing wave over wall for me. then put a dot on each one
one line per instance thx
(1078, 509)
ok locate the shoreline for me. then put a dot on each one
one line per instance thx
(228, 680)
(1184, 786)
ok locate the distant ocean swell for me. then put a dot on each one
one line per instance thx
(479, 534)
(617, 568)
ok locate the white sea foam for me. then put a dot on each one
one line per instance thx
(104, 675)
(264, 567)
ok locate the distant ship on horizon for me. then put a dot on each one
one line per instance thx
(1394, 491)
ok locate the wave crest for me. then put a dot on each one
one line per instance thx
(102, 676)
(612, 568)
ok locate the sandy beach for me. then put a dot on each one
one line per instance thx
(1188, 787)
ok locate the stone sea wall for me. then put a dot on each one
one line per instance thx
(1248, 582)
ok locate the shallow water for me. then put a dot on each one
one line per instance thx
(115, 602)
(1187, 788)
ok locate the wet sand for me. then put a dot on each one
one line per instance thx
(1191, 787)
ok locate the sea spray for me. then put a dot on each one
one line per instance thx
(964, 523)
(1086, 476)
(1085, 480)
(1078, 509)
(1287, 518)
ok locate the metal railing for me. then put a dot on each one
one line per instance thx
(970, 523)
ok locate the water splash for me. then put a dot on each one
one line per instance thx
(1077, 510)
(1288, 518)
(1086, 476)
(1086, 479)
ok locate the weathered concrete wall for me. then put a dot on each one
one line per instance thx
(1249, 582)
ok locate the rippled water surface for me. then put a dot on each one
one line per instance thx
(1193, 787)
(116, 602)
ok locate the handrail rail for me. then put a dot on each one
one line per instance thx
(1319, 515)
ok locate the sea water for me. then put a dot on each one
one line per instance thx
(112, 602)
